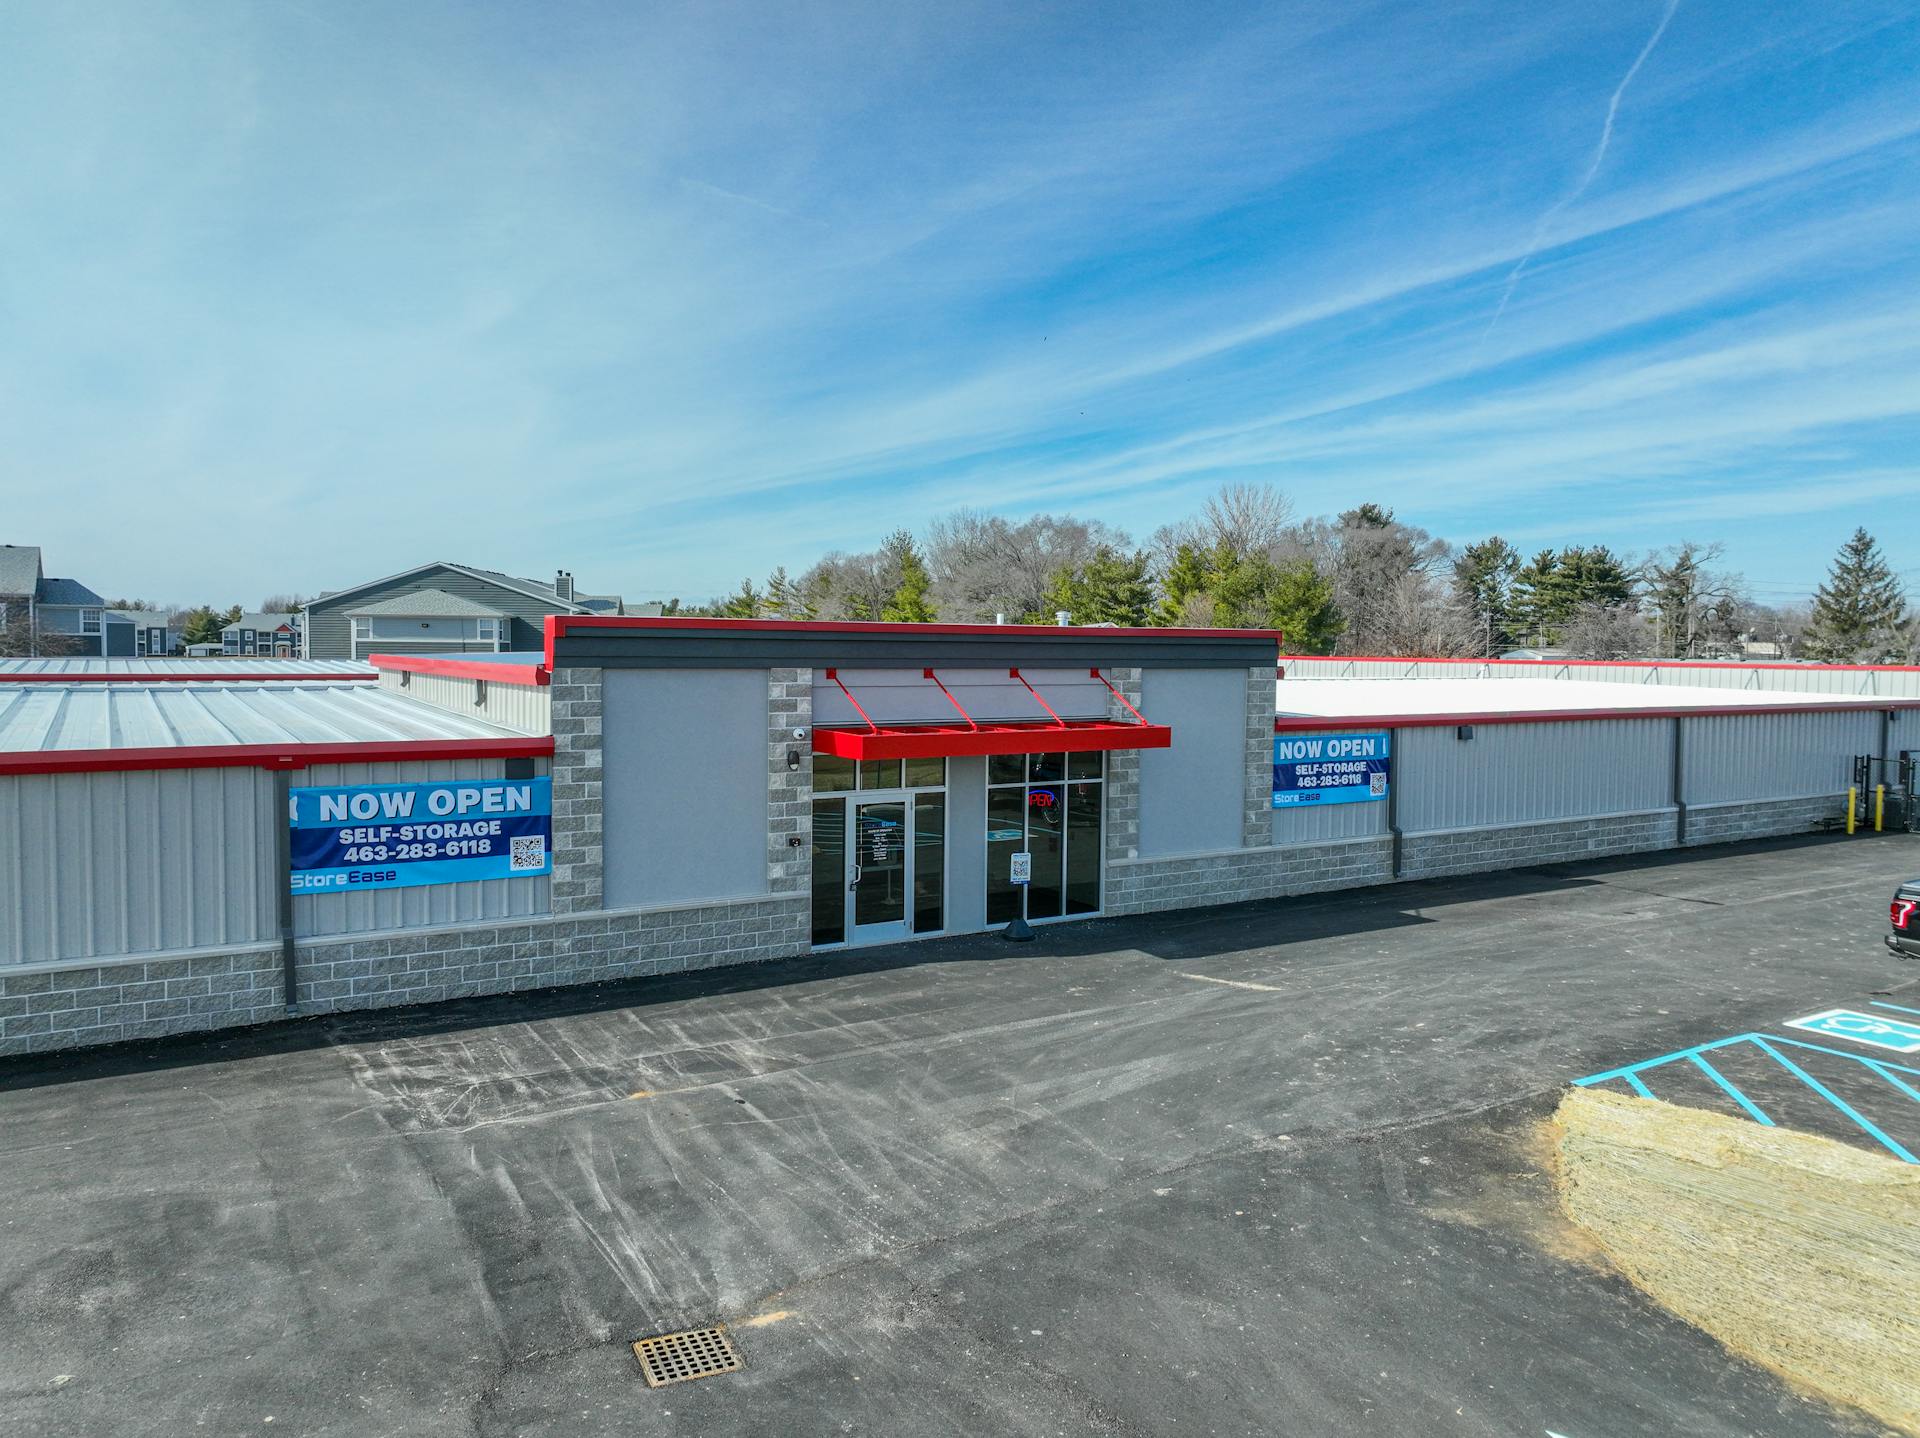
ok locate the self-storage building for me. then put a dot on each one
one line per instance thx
(654, 795)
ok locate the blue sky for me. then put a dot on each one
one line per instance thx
(293, 295)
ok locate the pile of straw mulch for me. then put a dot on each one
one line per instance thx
(1793, 1250)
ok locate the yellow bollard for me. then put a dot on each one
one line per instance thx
(1853, 805)
(1879, 805)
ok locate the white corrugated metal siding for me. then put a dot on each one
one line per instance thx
(1315, 824)
(1779, 756)
(523, 708)
(1899, 683)
(95, 865)
(129, 863)
(1523, 773)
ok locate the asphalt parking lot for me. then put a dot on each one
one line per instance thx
(1271, 1169)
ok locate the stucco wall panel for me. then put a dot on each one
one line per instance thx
(1193, 795)
(685, 787)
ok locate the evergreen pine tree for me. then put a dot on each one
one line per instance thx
(912, 601)
(1858, 611)
(1483, 577)
(1186, 578)
(1109, 588)
(746, 604)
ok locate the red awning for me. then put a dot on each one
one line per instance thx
(952, 741)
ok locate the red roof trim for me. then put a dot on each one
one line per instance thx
(527, 674)
(1682, 665)
(270, 756)
(222, 676)
(950, 741)
(1308, 723)
(559, 624)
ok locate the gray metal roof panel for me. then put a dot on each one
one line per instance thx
(220, 668)
(42, 717)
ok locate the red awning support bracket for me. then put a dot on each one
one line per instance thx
(1117, 694)
(834, 675)
(1016, 674)
(929, 674)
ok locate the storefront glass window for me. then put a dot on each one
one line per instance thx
(926, 773)
(929, 863)
(1006, 834)
(1030, 805)
(831, 774)
(879, 773)
(1083, 848)
(829, 871)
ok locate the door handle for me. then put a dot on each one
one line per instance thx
(854, 882)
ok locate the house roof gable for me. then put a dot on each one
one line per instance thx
(531, 588)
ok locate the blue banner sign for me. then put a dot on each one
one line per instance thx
(1330, 768)
(393, 836)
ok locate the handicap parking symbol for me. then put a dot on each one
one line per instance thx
(1902, 1038)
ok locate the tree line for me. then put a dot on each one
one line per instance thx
(1360, 582)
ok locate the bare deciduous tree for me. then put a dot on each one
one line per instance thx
(1608, 631)
(984, 564)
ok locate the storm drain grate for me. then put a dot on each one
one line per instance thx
(676, 1357)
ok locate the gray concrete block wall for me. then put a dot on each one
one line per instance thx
(72, 1008)
(1518, 846)
(1140, 886)
(789, 791)
(578, 771)
(1123, 778)
(1257, 815)
(1730, 823)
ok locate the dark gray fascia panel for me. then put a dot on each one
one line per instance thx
(611, 648)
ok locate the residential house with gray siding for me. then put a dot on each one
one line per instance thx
(63, 616)
(138, 634)
(443, 608)
(262, 636)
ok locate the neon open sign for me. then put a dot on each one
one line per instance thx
(1042, 799)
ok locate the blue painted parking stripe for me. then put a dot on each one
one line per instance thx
(1839, 1053)
(1833, 1098)
(1908, 1089)
(1634, 1079)
(1901, 1008)
(1746, 1103)
(1626, 1070)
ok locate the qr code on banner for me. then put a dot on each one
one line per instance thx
(1376, 784)
(529, 853)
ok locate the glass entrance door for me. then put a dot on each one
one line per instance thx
(879, 870)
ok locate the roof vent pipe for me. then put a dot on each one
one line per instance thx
(563, 585)
(1062, 617)
(999, 619)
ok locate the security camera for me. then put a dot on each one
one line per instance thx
(799, 733)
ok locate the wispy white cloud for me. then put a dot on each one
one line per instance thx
(674, 293)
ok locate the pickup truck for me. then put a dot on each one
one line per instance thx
(1904, 915)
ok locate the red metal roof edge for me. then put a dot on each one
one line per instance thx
(527, 674)
(1297, 723)
(558, 624)
(1680, 664)
(223, 676)
(270, 756)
